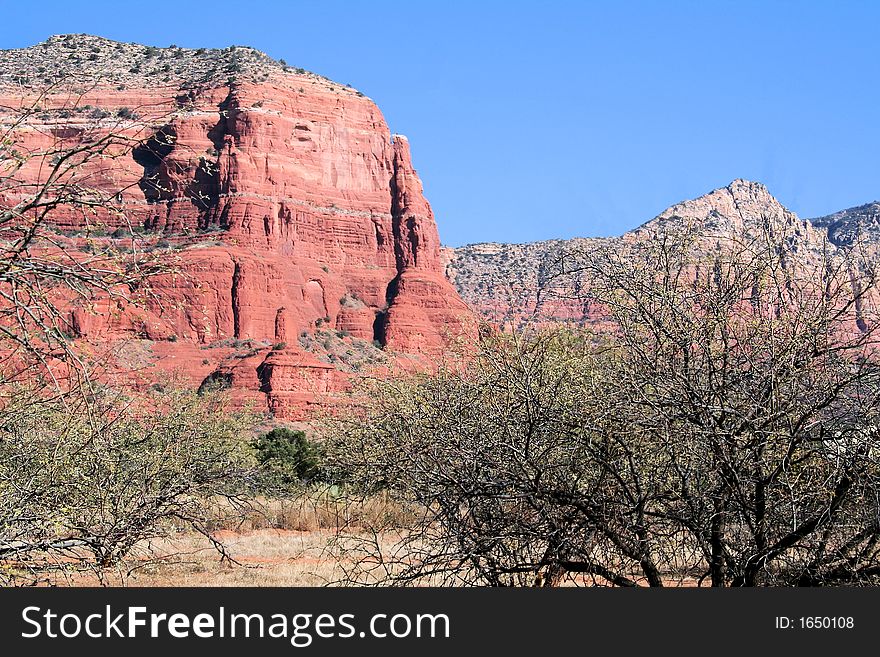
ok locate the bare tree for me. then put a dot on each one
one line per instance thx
(87, 486)
(750, 364)
(721, 429)
(59, 170)
(494, 458)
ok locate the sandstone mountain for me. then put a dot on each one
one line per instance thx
(513, 284)
(303, 247)
(304, 244)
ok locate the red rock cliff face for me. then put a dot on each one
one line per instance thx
(290, 207)
(320, 201)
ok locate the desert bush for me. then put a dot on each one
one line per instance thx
(722, 428)
(44, 278)
(87, 475)
(85, 485)
(287, 458)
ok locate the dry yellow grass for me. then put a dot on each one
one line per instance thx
(310, 513)
(285, 543)
(263, 557)
(274, 542)
(266, 557)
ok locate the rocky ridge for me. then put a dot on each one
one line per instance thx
(89, 59)
(514, 284)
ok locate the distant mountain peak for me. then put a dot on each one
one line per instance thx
(740, 207)
(506, 282)
(742, 186)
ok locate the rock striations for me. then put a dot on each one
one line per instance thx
(296, 219)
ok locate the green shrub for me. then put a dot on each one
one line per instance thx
(287, 457)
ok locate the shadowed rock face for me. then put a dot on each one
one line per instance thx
(847, 226)
(514, 284)
(291, 209)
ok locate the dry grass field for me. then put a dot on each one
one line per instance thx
(265, 557)
(275, 543)
(278, 543)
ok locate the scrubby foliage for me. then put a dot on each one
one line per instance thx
(287, 458)
(86, 485)
(721, 429)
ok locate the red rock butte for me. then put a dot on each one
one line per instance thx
(295, 218)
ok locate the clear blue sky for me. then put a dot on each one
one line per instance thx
(535, 120)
